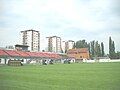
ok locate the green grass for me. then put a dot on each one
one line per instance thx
(78, 76)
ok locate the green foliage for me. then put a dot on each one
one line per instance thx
(118, 55)
(92, 48)
(79, 76)
(81, 44)
(95, 49)
(74, 46)
(65, 50)
(111, 49)
(102, 49)
(61, 51)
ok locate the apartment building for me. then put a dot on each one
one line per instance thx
(66, 45)
(54, 44)
(31, 38)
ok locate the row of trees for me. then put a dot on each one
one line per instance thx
(112, 53)
(96, 49)
(111, 48)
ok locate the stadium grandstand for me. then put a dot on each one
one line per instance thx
(6, 55)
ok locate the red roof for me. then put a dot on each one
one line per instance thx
(22, 53)
(32, 54)
(12, 53)
(54, 55)
(35, 54)
(78, 50)
(39, 54)
(28, 54)
(46, 54)
(3, 53)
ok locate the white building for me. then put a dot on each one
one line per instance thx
(31, 38)
(63, 46)
(70, 44)
(54, 44)
(66, 45)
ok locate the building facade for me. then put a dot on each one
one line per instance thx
(79, 54)
(69, 44)
(31, 38)
(63, 45)
(21, 47)
(54, 44)
(66, 45)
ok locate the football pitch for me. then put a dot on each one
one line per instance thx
(76, 76)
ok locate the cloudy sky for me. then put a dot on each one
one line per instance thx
(68, 19)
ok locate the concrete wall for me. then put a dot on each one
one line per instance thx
(102, 60)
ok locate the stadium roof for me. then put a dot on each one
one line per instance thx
(2, 53)
(23, 54)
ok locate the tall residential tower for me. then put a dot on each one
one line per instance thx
(31, 38)
(66, 45)
(54, 44)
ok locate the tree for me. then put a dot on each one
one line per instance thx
(99, 51)
(43, 50)
(102, 49)
(118, 55)
(61, 51)
(65, 50)
(96, 48)
(81, 44)
(111, 48)
(89, 47)
(74, 46)
(92, 46)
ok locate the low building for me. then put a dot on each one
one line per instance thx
(79, 54)
(9, 47)
(26, 57)
(21, 47)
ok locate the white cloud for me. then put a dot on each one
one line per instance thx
(83, 18)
